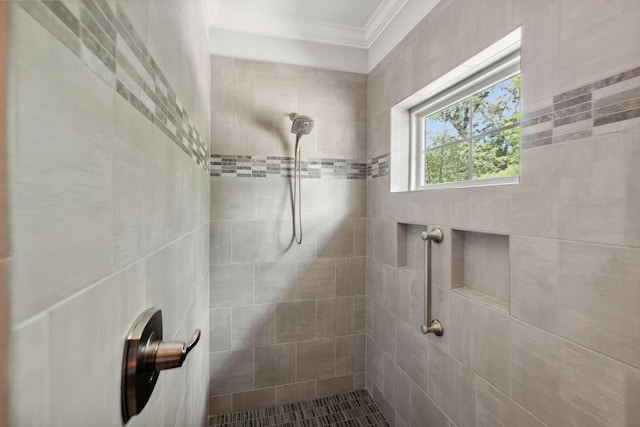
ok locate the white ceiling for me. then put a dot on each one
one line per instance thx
(303, 32)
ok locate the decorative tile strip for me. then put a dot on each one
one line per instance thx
(350, 409)
(608, 105)
(378, 166)
(229, 165)
(105, 40)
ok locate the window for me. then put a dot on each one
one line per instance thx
(469, 134)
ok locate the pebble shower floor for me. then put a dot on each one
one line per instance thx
(355, 409)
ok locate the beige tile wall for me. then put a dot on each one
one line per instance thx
(3, 219)
(565, 352)
(107, 217)
(288, 320)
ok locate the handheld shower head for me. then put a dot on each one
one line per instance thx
(302, 125)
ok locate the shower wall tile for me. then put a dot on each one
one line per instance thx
(187, 193)
(122, 301)
(330, 386)
(275, 282)
(452, 387)
(540, 62)
(117, 218)
(633, 178)
(263, 398)
(253, 325)
(230, 371)
(138, 14)
(413, 355)
(315, 279)
(359, 314)
(385, 406)
(350, 276)
(295, 321)
(277, 92)
(359, 381)
(220, 242)
(272, 198)
(297, 392)
(315, 359)
(161, 286)
(342, 136)
(523, 9)
(261, 95)
(321, 196)
(385, 330)
(401, 395)
(102, 36)
(288, 249)
(62, 221)
(253, 241)
(360, 231)
(30, 351)
(219, 405)
(275, 365)
(589, 389)
(389, 372)
(225, 201)
(577, 179)
(336, 238)
(233, 285)
(351, 198)
(219, 329)
(375, 364)
(380, 238)
(397, 290)
(423, 408)
(583, 33)
(350, 354)
(496, 409)
(579, 289)
(312, 285)
(375, 282)
(481, 339)
(334, 317)
(140, 194)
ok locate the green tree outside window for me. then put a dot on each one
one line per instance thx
(488, 124)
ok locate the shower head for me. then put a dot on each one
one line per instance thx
(302, 125)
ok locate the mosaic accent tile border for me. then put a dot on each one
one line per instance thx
(105, 40)
(608, 105)
(239, 166)
(378, 166)
(350, 409)
(262, 166)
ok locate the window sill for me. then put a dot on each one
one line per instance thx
(503, 180)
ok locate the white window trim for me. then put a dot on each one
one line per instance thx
(505, 68)
(401, 177)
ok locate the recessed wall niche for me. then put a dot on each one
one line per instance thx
(411, 248)
(480, 267)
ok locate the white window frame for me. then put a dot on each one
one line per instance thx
(495, 73)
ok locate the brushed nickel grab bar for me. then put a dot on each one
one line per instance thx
(430, 326)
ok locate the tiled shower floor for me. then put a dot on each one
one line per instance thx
(355, 409)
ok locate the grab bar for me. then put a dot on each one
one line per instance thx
(430, 326)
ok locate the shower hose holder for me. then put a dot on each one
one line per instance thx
(145, 355)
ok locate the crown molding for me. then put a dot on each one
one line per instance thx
(275, 38)
(381, 18)
(313, 31)
(341, 35)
